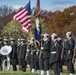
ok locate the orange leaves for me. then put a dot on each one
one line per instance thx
(60, 22)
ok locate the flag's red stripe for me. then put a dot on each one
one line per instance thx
(25, 16)
(25, 20)
(24, 31)
(15, 16)
(18, 12)
(29, 27)
(27, 24)
(21, 14)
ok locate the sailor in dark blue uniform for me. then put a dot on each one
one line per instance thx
(23, 55)
(13, 54)
(1, 44)
(28, 53)
(19, 53)
(33, 49)
(45, 47)
(55, 54)
(6, 58)
(69, 52)
(61, 48)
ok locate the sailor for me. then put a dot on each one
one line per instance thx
(61, 48)
(33, 48)
(13, 54)
(37, 56)
(40, 56)
(28, 53)
(55, 54)
(45, 47)
(23, 55)
(19, 53)
(6, 58)
(69, 52)
(1, 44)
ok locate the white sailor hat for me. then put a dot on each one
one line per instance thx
(5, 40)
(46, 34)
(22, 39)
(68, 33)
(59, 39)
(54, 35)
(19, 39)
(12, 39)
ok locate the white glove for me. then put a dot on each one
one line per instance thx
(27, 50)
(42, 48)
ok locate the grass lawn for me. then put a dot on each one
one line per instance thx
(28, 72)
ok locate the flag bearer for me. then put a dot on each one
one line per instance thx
(45, 47)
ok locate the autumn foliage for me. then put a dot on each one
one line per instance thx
(52, 22)
(61, 22)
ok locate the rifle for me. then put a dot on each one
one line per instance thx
(74, 57)
(63, 50)
(41, 50)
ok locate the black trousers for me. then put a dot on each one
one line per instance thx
(41, 64)
(56, 68)
(44, 64)
(70, 66)
(14, 68)
(37, 64)
(0, 65)
(23, 65)
(60, 65)
(19, 62)
(34, 63)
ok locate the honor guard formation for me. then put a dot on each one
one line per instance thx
(50, 53)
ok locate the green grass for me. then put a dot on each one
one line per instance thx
(27, 73)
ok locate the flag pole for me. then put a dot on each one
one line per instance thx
(30, 30)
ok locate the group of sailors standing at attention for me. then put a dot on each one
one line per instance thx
(42, 56)
(51, 54)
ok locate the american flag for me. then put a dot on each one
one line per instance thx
(23, 16)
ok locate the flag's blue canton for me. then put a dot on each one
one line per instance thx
(27, 7)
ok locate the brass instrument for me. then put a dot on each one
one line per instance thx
(37, 43)
(5, 50)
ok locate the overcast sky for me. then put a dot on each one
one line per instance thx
(52, 5)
